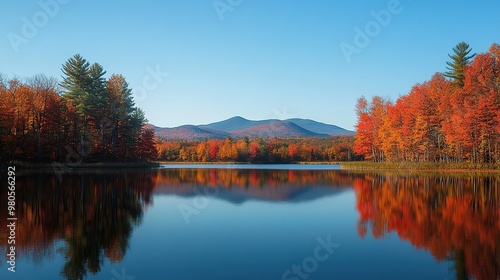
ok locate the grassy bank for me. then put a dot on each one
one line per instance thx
(455, 166)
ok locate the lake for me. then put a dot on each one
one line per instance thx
(291, 222)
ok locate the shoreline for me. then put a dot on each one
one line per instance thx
(73, 166)
(352, 165)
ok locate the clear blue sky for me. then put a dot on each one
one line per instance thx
(263, 59)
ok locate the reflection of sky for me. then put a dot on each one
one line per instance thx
(260, 240)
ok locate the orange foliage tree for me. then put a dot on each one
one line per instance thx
(93, 119)
(439, 120)
(258, 150)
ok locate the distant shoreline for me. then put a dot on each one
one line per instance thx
(351, 165)
(86, 165)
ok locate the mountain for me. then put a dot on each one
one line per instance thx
(239, 127)
(282, 129)
(319, 127)
(234, 124)
(188, 132)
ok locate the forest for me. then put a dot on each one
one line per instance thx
(454, 117)
(84, 118)
(89, 118)
(259, 150)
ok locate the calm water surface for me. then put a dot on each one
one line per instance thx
(253, 222)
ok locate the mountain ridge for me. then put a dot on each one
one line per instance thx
(239, 127)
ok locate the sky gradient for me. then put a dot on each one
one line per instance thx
(256, 59)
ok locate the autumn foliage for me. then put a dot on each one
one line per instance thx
(437, 121)
(270, 150)
(85, 118)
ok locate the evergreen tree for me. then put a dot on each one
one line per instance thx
(456, 67)
(97, 91)
(120, 115)
(77, 84)
(98, 101)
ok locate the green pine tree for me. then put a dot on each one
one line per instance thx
(97, 103)
(456, 67)
(77, 82)
(120, 114)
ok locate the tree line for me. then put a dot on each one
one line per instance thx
(454, 117)
(86, 117)
(270, 150)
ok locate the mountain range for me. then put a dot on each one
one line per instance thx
(239, 127)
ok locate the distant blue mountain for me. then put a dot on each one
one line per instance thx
(276, 128)
(189, 132)
(233, 124)
(319, 127)
(239, 127)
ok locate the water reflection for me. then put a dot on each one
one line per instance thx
(240, 185)
(453, 217)
(89, 217)
(93, 215)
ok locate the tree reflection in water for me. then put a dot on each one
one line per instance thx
(89, 216)
(92, 214)
(453, 217)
